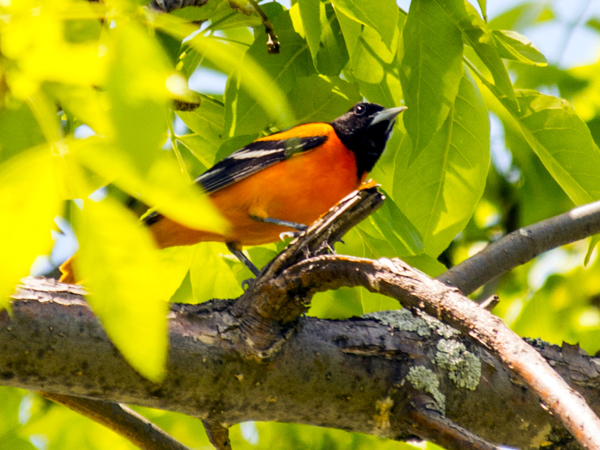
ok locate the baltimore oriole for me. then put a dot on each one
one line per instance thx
(284, 181)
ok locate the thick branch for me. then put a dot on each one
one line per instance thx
(362, 367)
(415, 290)
(523, 245)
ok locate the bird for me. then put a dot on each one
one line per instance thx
(283, 182)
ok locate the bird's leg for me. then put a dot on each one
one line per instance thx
(237, 252)
(283, 223)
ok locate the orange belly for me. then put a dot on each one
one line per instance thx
(297, 190)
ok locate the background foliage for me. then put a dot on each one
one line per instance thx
(86, 123)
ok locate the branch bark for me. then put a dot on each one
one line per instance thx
(365, 374)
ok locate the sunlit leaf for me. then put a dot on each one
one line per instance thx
(137, 89)
(87, 104)
(522, 16)
(476, 32)
(320, 99)
(244, 114)
(512, 45)
(38, 42)
(431, 70)
(372, 65)
(381, 15)
(333, 54)
(18, 130)
(309, 12)
(439, 191)
(563, 142)
(211, 274)
(29, 201)
(229, 59)
(482, 5)
(121, 269)
(163, 187)
(206, 121)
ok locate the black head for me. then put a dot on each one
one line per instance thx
(365, 130)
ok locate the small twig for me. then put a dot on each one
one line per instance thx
(217, 434)
(122, 420)
(273, 44)
(490, 303)
(523, 245)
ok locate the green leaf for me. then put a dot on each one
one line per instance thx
(372, 66)
(29, 201)
(245, 114)
(382, 15)
(536, 182)
(482, 6)
(206, 121)
(477, 34)
(227, 58)
(174, 265)
(439, 191)
(333, 54)
(137, 90)
(310, 19)
(121, 269)
(320, 99)
(515, 46)
(195, 13)
(163, 186)
(211, 272)
(430, 71)
(522, 16)
(563, 143)
(18, 129)
(85, 103)
(398, 236)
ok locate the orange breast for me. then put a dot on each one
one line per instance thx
(298, 190)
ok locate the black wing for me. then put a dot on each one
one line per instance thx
(253, 158)
(246, 161)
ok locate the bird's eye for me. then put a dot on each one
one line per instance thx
(359, 110)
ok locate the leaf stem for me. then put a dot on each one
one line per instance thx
(173, 140)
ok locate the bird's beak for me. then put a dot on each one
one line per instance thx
(387, 115)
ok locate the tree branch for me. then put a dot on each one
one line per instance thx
(416, 290)
(122, 420)
(273, 44)
(366, 367)
(523, 245)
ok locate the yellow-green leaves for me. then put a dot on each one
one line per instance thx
(29, 201)
(430, 70)
(512, 45)
(439, 191)
(34, 39)
(381, 15)
(138, 94)
(563, 143)
(120, 268)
